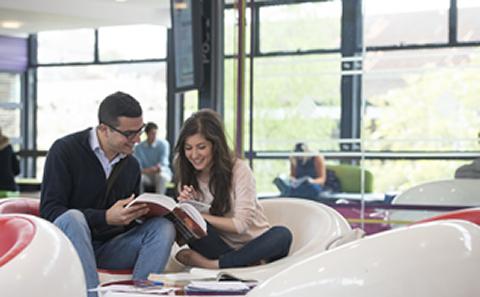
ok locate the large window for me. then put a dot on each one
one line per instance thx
(68, 97)
(421, 100)
(417, 87)
(290, 105)
(69, 94)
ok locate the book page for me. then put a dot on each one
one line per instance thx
(156, 199)
(193, 213)
(178, 278)
(298, 181)
(214, 286)
(200, 206)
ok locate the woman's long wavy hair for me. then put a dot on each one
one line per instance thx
(207, 123)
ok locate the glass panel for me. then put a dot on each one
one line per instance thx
(300, 27)
(66, 46)
(265, 172)
(296, 99)
(231, 37)
(68, 97)
(10, 122)
(438, 88)
(230, 102)
(132, 42)
(400, 175)
(468, 20)
(10, 106)
(190, 103)
(392, 22)
(40, 165)
(10, 87)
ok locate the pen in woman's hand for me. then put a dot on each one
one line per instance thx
(190, 192)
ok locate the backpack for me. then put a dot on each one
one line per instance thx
(332, 183)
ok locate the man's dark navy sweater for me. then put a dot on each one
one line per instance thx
(74, 179)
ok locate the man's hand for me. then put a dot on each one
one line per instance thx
(152, 170)
(118, 215)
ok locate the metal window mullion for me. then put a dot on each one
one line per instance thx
(453, 23)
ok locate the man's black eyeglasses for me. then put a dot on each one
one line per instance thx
(128, 134)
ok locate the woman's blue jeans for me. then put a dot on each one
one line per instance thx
(145, 248)
(304, 190)
(270, 246)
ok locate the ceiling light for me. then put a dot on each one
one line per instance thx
(121, 0)
(11, 24)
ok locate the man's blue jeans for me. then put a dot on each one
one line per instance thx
(272, 245)
(145, 248)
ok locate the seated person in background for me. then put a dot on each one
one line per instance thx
(153, 154)
(308, 175)
(469, 170)
(89, 178)
(9, 166)
(207, 171)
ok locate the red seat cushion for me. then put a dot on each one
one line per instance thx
(115, 271)
(16, 235)
(32, 207)
(25, 206)
(471, 215)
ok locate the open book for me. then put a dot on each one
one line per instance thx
(196, 274)
(296, 182)
(188, 221)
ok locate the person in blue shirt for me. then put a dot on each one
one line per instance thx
(153, 154)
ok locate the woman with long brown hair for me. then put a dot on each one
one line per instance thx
(207, 171)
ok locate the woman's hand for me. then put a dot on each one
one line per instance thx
(187, 193)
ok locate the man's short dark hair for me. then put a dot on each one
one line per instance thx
(117, 105)
(150, 126)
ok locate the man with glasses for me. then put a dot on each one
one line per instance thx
(89, 178)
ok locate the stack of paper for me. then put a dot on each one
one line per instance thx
(133, 289)
(215, 286)
(176, 279)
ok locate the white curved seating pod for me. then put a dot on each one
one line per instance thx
(462, 192)
(432, 259)
(314, 227)
(38, 260)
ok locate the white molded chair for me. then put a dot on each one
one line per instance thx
(37, 259)
(438, 259)
(31, 206)
(314, 226)
(453, 192)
